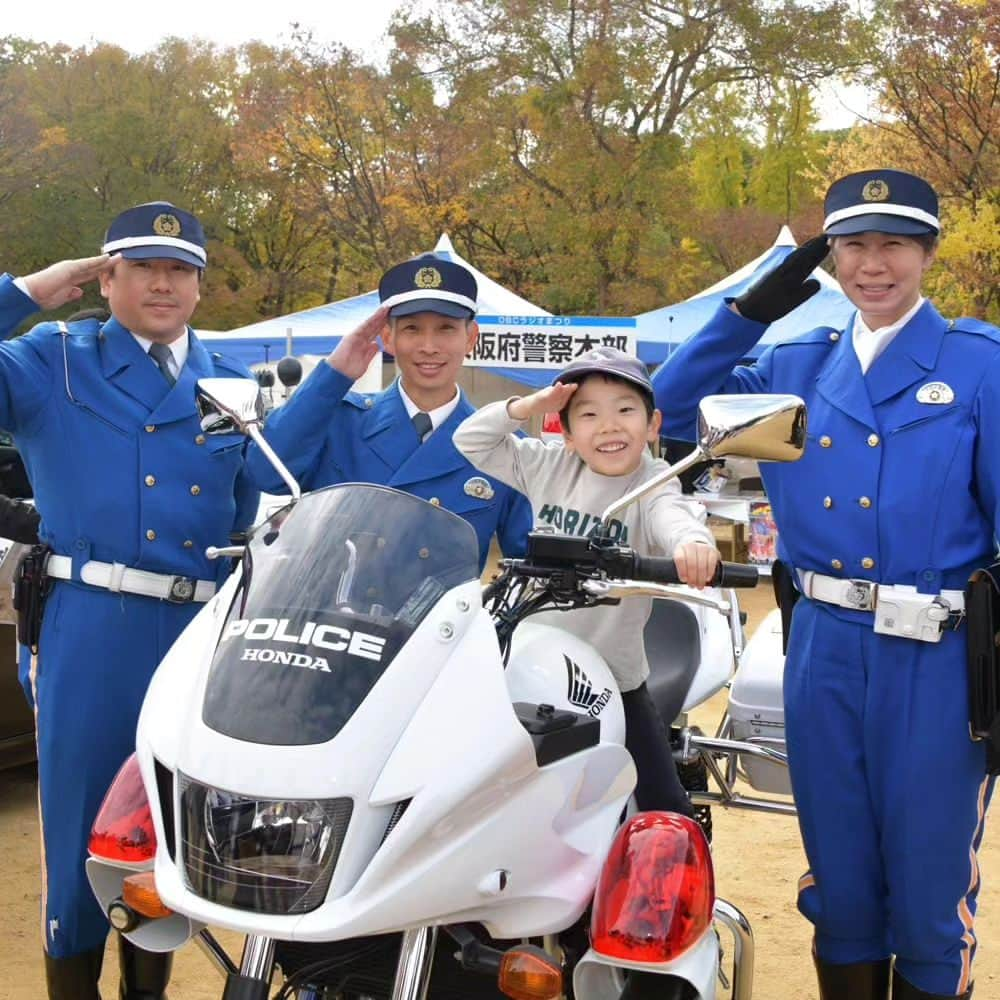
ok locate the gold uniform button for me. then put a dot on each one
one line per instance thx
(150, 428)
(865, 502)
(188, 544)
(836, 564)
(873, 440)
(195, 490)
(867, 562)
(825, 441)
(424, 553)
(200, 439)
(827, 502)
(150, 480)
(435, 501)
(151, 535)
(835, 337)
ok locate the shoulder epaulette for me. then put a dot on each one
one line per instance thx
(821, 336)
(977, 327)
(360, 400)
(230, 365)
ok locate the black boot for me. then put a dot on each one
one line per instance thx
(902, 990)
(76, 977)
(145, 974)
(858, 981)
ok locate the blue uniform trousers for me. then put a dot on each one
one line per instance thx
(891, 795)
(96, 655)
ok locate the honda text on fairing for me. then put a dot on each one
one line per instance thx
(368, 766)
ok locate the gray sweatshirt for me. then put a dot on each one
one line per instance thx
(565, 494)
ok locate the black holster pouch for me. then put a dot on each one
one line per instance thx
(31, 587)
(785, 595)
(982, 611)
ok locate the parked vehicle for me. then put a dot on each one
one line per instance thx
(396, 786)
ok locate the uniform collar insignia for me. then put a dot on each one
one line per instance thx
(479, 487)
(936, 393)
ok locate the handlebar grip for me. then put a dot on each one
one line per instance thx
(654, 569)
(736, 575)
(657, 569)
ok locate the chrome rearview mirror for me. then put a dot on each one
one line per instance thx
(229, 405)
(768, 427)
(236, 406)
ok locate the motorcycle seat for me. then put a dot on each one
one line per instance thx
(673, 648)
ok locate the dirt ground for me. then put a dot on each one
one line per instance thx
(758, 861)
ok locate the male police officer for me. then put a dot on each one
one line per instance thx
(895, 502)
(130, 493)
(401, 437)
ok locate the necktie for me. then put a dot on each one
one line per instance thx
(422, 424)
(161, 354)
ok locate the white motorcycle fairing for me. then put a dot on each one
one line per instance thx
(460, 808)
(472, 813)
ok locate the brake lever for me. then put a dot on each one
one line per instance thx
(662, 591)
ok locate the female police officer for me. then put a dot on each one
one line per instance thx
(896, 500)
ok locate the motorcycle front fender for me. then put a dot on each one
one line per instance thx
(597, 977)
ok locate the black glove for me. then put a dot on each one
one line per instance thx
(784, 288)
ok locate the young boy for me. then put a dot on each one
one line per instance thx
(605, 402)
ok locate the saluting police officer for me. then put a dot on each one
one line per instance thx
(130, 493)
(401, 437)
(895, 502)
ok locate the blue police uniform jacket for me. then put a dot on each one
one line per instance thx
(120, 469)
(327, 434)
(121, 473)
(894, 486)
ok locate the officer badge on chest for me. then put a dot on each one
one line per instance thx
(479, 488)
(936, 393)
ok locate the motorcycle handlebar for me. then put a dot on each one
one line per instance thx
(565, 556)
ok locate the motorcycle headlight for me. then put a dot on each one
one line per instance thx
(266, 855)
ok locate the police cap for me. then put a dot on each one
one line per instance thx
(881, 201)
(607, 361)
(429, 283)
(157, 230)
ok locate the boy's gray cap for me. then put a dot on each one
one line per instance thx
(607, 361)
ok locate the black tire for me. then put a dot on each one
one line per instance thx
(694, 778)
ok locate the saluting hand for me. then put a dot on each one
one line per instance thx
(696, 563)
(551, 399)
(353, 355)
(60, 283)
(787, 286)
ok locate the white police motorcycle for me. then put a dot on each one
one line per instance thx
(393, 788)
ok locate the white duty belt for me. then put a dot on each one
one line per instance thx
(117, 577)
(898, 609)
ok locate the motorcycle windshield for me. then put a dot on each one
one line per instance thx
(333, 587)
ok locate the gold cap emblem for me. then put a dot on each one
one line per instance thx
(427, 277)
(166, 225)
(875, 190)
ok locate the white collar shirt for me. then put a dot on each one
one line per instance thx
(869, 344)
(178, 351)
(438, 415)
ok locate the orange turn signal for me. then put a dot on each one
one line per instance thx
(139, 892)
(528, 973)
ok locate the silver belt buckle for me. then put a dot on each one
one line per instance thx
(182, 590)
(861, 595)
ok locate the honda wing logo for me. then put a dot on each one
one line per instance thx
(580, 690)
